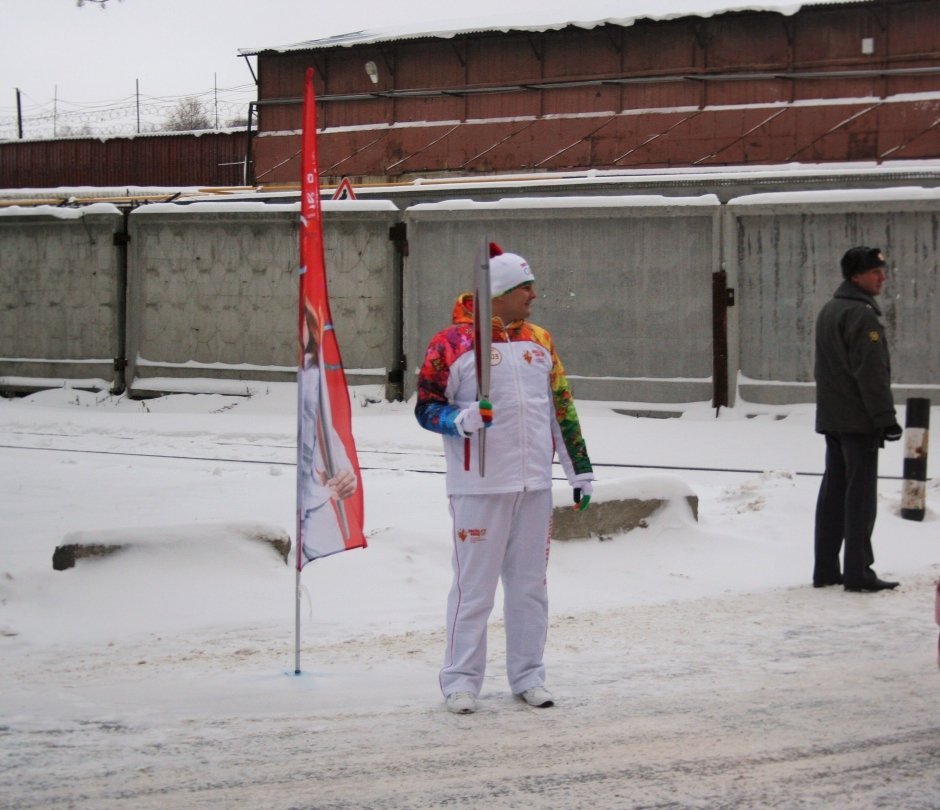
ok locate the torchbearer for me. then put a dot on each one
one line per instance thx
(501, 520)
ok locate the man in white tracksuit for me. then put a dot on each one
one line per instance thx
(502, 520)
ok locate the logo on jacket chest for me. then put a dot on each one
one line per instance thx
(530, 356)
(535, 356)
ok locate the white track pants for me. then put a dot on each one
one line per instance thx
(495, 536)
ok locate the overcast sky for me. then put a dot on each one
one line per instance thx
(81, 61)
(173, 47)
(176, 47)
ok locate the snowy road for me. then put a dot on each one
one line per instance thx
(693, 665)
(789, 698)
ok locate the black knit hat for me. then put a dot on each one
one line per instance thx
(861, 259)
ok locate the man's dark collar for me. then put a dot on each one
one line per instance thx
(849, 289)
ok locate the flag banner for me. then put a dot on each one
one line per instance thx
(329, 484)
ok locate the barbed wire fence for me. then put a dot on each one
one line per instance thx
(138, 113)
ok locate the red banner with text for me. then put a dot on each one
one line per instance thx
(330, 512)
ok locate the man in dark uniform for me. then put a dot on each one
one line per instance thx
(855, 412)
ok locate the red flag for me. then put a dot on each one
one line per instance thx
(329, 483)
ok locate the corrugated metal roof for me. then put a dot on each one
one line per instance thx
(591, 14)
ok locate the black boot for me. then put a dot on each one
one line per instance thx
(823, 582)
(871, 585)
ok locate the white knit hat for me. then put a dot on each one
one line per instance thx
(507, 270)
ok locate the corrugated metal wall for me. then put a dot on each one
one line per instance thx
(748, 87)
(208, 159)
(736, 88)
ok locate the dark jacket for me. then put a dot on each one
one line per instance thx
(853, 371)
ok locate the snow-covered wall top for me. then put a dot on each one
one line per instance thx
(633, 201)
(551, 17)
(58, 212)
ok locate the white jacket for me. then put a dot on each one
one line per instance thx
(533, 410)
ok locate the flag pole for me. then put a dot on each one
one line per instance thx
(309, 208)
(331, 440)
(298, 531)
(297, 620)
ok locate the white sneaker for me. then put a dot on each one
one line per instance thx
(539, 697)
(461, 703)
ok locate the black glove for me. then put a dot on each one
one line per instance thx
(892, 433)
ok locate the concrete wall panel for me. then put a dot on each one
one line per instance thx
(214, 290)
(624, 285)
(61, 295)
(786, 252)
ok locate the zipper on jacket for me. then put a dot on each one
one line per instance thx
(522, 411)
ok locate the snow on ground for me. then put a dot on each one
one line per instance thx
(693, 664)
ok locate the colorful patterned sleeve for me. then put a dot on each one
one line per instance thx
(432, 409)
(565, 412)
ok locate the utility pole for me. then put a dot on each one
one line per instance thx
(19, 115)
(137, 91)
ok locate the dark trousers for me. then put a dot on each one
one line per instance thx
(846, 508)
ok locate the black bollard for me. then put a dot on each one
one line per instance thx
(914, 487)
